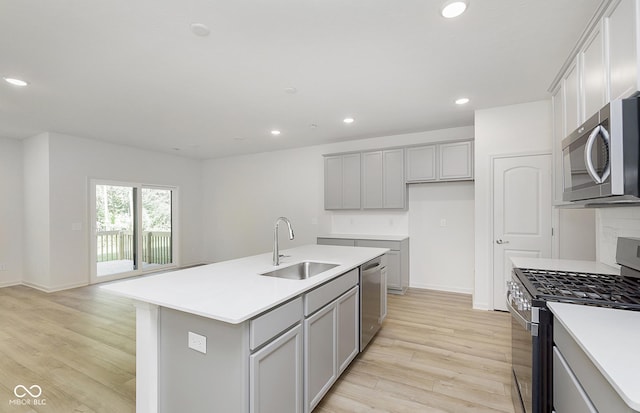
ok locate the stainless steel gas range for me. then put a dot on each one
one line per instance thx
(532, 324)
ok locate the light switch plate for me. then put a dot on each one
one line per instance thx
(198, 342)
(3, 267)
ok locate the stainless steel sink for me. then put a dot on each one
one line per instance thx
(301, 271)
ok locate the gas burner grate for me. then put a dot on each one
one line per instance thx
(604, 290)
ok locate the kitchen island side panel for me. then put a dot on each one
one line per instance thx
(190, 381)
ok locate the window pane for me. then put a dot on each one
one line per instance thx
(156, 227)
(116, 241)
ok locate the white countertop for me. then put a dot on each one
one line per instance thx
(593, 267)
(611, 340)
(366, 236)
(233, 291)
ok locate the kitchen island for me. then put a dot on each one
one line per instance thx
(222, 337)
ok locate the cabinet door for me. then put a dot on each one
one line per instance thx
(351, 181)
(558, 135)
(572, 108)
(333, 182)
(320, 357)
(394, 191)
(622, 26)
(394, 280)
(275, 376)
(593, 74)
(372, 179)
(348, 328)
(455, 161)
(421, 163)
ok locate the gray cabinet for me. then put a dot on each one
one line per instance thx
(622, 24)
(578, 385)
(342, 181)
(331, 335)
(348, 339)
(397, 258)
(421, 163)
(455, 161)
(321, 353)
(275, 384)
(447, 161)
(383, 185)
(592, 57)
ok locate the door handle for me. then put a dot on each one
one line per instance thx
(499, 241)
(591, 170)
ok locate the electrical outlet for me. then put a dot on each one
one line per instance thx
(443, 222)
(198, 342)
(3, 267)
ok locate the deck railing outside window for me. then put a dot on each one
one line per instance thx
(118, 245)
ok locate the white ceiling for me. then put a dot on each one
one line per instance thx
(132, 72)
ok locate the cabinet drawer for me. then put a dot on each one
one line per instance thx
(337, 241)
(269, 325)
(318, 298)
(600, 392)
(392, 245)
(568, 395)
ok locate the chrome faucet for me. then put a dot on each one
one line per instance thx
(276, 251)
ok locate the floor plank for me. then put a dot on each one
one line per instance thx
(433, 354)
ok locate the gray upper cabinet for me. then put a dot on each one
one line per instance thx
(372, 180)
(383, 179)
(456, 161)
(421, 163)
(622, 25)
(447, 161)
(342, 181)
(593, 74)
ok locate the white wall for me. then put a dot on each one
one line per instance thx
(442, 256)
(243, 195)
(611, 224)
(72, 161)
(577, 234)
(36, 252)
(11, 212)
(515, 129)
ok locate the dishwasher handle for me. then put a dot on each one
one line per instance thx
(372, 267)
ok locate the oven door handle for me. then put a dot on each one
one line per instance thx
(532, 328)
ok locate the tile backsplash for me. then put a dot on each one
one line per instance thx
(612, 223)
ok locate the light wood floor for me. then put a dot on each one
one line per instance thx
(433, 354)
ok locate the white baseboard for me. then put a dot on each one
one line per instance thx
(53, 289)
(445, 288)
(10, 283)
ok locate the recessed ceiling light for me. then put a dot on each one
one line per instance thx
(15, 82)
(275, 132)
(462, 101)
(290, 90)
(313, 126)
(200, 29)
(348, 120)
(453, 8)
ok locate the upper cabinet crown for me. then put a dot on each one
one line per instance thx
(603, 67)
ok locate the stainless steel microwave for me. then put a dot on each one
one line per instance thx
(600, 159)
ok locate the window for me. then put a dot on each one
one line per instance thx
(133, 229)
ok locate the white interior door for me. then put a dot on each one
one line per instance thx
(521, 215)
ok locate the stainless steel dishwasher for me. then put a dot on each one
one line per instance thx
(370, 299)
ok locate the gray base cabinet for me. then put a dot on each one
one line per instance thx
(578, 385)
(331, 336)
(275, 384)
(441, 162)
(397, 258)
(284, 360)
